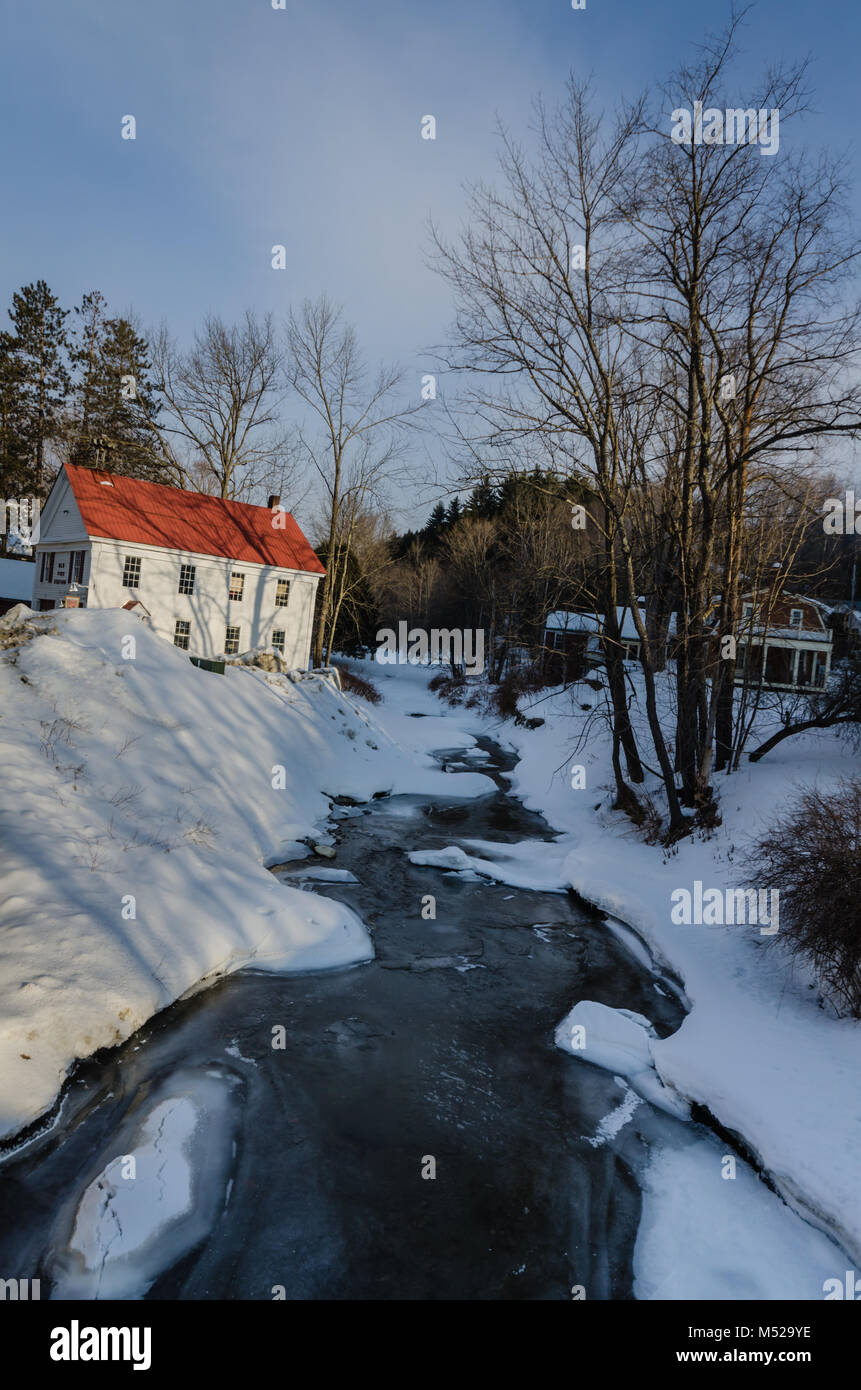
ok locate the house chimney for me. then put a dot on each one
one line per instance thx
(274, 499)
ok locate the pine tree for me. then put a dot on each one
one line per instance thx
(14, 465)
(86, 358)
(483, 500)
(435, 522)
(127, 402)
(453, 513)
(116, 398)
(40, 346)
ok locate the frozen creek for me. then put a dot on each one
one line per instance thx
(300, 1168)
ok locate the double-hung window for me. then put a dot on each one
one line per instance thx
(181, 634)
(231, 641)
(237, 586)
(186, 579)
(131, 572)
(282, 593)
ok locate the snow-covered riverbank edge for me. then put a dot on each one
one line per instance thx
(757, 1050)
(142, 798)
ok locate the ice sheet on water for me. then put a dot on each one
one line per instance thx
(449, 858)
(317, 875)
(621, 1041)
(133, 1221)
(618, 1118)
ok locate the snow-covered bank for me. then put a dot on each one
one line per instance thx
(704, 1237)
(758, 1049)
(142, 798)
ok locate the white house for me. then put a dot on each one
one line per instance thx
(214, 577)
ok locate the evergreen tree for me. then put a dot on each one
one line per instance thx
(86, 359)
(15, 478)
(115, 397)
(435, 522)
(483, 500)
(126, 403)
(453, 513)
(40, 346)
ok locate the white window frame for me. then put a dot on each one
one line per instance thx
(237, 580)
(792, 613)
(186, 635)
(279, 646)
(184, 571)
(282, 600)
(229, 648)
(132, 562)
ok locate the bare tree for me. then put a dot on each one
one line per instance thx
(541, 279)
(671, 318)
(223, 432)
(744, 261)
(354, 441)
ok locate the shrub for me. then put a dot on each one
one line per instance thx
(354, 684)
(451, 688)
(811, 855)
(521, 680)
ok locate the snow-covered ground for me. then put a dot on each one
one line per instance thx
(758, 1048)
(142, 798)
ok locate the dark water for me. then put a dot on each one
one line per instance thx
(441, 1048)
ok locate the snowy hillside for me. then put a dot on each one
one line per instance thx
(142, 798)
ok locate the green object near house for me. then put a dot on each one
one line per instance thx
(216, 666)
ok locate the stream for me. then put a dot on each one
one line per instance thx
(307, 1168)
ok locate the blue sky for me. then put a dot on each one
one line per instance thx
(301, 126)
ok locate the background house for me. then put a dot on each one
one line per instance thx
(785, 640)
(216, 577)
(572, 645)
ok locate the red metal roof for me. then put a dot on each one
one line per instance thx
(127, 509)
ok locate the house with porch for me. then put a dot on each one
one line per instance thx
(785, 640)
(213, 576)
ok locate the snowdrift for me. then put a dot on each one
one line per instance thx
(142, 798)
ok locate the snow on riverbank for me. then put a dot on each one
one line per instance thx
(702, 1236)
(141, 799)
(757, 1048)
